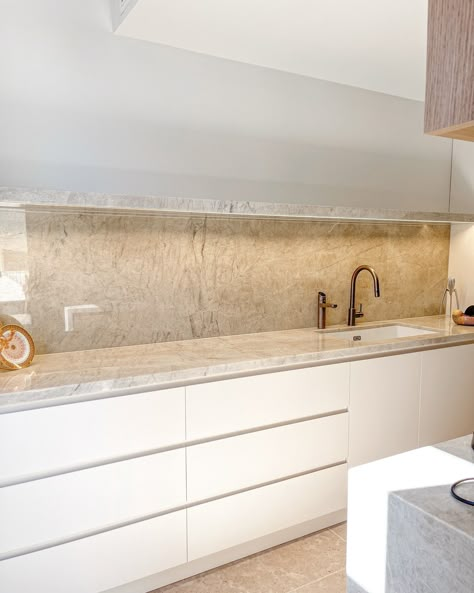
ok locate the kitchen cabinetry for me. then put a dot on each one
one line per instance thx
(41, 512)
(447, 394)
(384, 407)
(449, 102)
(60, 438)
(248, 457)
(243, 517)
(100, 562)
(240, 404)
(134, 485)
(401, 402)
(234, 463)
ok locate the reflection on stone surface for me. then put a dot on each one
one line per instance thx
(171, 278)
(13, 264)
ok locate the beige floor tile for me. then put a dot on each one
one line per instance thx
(340, 530)
(335, 583)
(279, 570)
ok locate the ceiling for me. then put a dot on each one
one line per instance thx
(373, 44)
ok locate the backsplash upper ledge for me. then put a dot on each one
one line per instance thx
(28, 198)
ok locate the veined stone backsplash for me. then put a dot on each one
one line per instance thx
(160, 278)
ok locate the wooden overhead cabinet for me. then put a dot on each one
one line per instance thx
(449, 104)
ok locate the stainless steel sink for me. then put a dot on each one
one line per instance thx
(371, 334)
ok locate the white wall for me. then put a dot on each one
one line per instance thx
(461, 262)
(84, 109)
(462, 184)
(461, 256)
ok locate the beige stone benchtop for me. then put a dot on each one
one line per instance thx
(91, 374)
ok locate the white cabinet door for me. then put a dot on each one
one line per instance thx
(447, 394)
(45, 511)
(240, 518)
(238, 404)
(96, 564)
(384, 407)
(229, 464)
(62, 437)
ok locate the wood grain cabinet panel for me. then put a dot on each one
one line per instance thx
(449, 103)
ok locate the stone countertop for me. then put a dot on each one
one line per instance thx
(406, 532)
(437, 501)
(34, 198)
(430, 544)
(460, 447)
(76, 376)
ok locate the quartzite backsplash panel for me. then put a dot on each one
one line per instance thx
(154, 278)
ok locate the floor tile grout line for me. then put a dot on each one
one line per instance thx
(339, 536)
(326, 576)
(267, 552)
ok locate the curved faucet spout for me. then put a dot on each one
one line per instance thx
(353, 314)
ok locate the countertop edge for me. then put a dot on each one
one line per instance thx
(26, 399)
(18, 197)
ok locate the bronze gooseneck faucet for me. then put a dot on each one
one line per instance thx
(352, 313)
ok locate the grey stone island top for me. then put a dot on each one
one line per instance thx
(32, 198)
(416, 538)
(430, 544)
(90, 374)
(460, 447)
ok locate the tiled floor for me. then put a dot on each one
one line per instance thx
(312, 564)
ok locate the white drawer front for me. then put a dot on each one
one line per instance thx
(243, 517)
(60, 437)
(95, 564)
(237, 462)
(238, 404)
(40, 512)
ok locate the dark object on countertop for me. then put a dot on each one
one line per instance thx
(465, 481)
(469, 311)
(461, 498)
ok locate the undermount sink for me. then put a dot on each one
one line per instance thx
(385, 332)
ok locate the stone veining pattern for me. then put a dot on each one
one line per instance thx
(158, 279)
(91, 374)
(430, 542)
(50, 198)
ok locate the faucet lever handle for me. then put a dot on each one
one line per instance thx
(360, 313)
(322, 306)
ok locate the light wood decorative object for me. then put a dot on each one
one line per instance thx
(17, 348)
(449, 102)
(461, 319)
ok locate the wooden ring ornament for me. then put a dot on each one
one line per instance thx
(461, 318)
(17, 348)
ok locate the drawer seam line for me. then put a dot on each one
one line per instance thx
(166, 449)
(187, 505)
